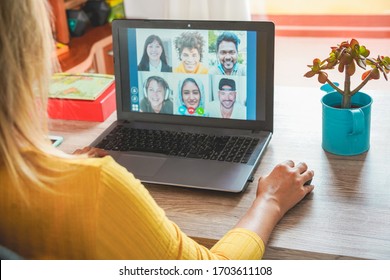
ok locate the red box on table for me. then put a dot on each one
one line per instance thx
(84, 110)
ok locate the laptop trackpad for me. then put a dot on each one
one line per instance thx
(139, 165)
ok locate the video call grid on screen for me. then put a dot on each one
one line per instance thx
(207, 103)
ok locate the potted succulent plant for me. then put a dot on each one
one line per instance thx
(346, 112)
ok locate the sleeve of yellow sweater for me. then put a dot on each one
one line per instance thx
(130, 225)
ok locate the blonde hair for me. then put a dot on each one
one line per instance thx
(26, 59)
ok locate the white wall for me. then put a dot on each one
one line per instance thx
(367, 7)
(188, 9)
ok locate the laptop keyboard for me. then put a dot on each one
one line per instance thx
(181, 144)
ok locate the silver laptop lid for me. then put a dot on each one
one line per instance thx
(203, 67)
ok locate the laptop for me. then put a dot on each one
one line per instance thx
(187, 121)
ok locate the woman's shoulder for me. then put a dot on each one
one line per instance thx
(91, 163)
(145, 105)
(168, 102)
(143, 67)
(166, 68)
(167, 107)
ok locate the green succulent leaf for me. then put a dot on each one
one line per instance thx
(375, 74)
(385, 62)
(322, 77)
(384, 73)
(341, 67)
(310, 74)
(371, 62)
(365, 74)
(353, 43)
(351, 68)
(332, 57)
(330, 65)
(316, 67)
(363, 51)
(346, 58)
(361, 63)
(344, 44)
(354, 48)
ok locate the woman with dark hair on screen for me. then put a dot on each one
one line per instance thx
(87, 206)
(154, 58)
(191, 97)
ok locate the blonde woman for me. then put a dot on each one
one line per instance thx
(58, 206)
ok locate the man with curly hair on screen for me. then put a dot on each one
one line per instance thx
(189, 46)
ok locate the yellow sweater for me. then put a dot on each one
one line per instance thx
(100, 211)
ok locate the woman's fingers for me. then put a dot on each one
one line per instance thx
(91, 152)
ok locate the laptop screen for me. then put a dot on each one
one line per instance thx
(195, 69)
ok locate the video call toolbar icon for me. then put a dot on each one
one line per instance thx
(134, 90)
(190, 110)
(134, 98)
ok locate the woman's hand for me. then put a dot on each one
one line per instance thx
(277, 193)
(285, 186)
(91, 152)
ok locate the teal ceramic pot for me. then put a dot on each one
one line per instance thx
(346, 131)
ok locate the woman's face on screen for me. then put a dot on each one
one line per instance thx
(154, 51)
(191, 95)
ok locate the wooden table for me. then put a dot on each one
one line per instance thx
(346, 217)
